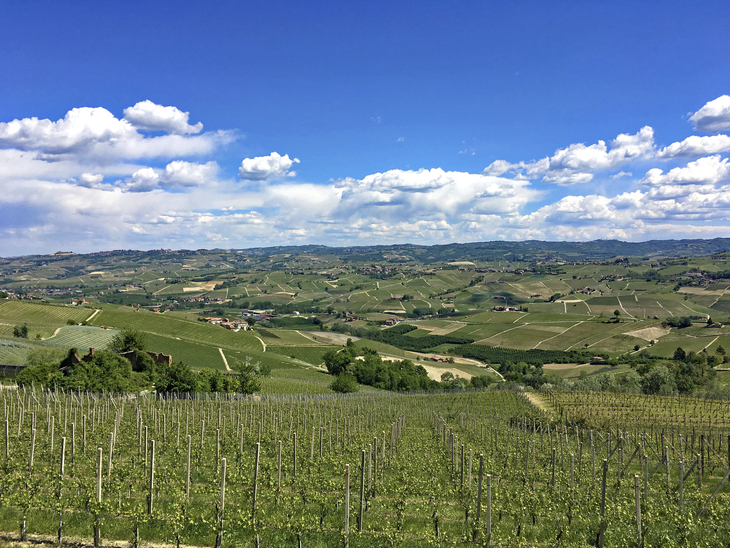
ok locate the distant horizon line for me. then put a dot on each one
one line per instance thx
(361, 246)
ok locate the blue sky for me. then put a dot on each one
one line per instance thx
(240, 124)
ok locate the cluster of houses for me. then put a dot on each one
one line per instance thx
(234, 325)
(261, 315)
(12, 295)
(377, 269)
(505, 309)
(392, 321)
(349, 315)
(192, 299)
(612, 278)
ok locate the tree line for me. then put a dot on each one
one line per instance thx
(109, 371)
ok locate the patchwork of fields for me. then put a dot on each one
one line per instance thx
(609, 307)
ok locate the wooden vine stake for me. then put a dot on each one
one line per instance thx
(637, 496)
(32, 450)
(151, 497)
(489, 510)
(255, 483)
(602, 528)
(681, 484)
(219, 537)
(479, 496)
(294, 451)
(60, 492)
(362, 492)
(187, 473)
(278, 475)
(347, 506)
(97, 525)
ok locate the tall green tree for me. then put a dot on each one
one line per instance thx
(248, 376)
(21, 331)
(128, 339)
(179, 377)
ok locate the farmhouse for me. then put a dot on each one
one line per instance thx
(504, 309)
(132, 356)
(392, 321)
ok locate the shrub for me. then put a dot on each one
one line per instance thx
(344, 384)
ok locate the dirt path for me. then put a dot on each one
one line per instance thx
(558, 335)
(94, 314)
(225, 361)
(59, 329)
(537, 400)
(622, 307)
(709, 345)
(262, 342)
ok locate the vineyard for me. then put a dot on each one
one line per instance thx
(672, 414)
(82, 337)
(372, 469)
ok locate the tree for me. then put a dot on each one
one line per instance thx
(659, 381)
(250, 321)
(21, 331)
(447, 376)
(616, 313)
(127, 339)
(104, 372)
(679, 354)
(248, 378)
(344, 384)
(336, 362)
(178, 378)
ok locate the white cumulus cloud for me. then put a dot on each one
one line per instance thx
(180, 173)
(177, 174)
(399, 194)
(90, 179)
(263, 168)
(153, 117)
(695, 146)
(143, 180)
(80, 128)
(95, 134)
(577, 163)
(714, 116)
(708, 170)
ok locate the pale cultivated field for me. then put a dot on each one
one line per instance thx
(649, 333)
(435, 373)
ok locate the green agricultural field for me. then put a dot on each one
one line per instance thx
(309, 354)
(195, 355)
(370, 281)
(284, 337)
(41, 319)
(13, 353)
(280, 386)
(82, 337)
(175, 327)
(415, 485)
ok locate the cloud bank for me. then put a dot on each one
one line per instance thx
(92, 180)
